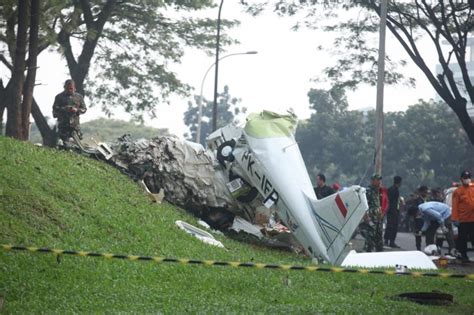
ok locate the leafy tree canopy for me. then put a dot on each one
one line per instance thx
(331, 102)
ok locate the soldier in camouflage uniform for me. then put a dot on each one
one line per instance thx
(67, 107)
(372, 227)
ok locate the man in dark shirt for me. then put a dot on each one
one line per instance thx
(322, 190)
(393, 213)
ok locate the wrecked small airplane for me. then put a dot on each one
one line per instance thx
(257, 169)
(265, 157)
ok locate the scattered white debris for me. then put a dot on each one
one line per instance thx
(208, 227)
(243, 225)
(432, 250)
(199, 234)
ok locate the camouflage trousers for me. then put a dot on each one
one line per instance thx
(372, 231)
(66, 126)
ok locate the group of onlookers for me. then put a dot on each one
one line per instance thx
(429, 214)
(447, 212)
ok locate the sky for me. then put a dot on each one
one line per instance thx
(277, 78)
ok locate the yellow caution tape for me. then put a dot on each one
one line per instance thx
(185, 261)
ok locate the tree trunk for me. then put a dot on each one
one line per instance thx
(461, 112)
(2, 110)
(18, 77)
(49, 135)
(3, 92)
(31, 76)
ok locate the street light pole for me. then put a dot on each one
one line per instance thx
(214, 108)
(380, 85)
(198, 131)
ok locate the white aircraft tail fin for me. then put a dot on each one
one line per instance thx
(337, 216)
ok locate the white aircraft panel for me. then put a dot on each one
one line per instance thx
(411, 259)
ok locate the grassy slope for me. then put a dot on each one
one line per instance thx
(58, 199)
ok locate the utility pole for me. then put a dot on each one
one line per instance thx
(380, 85)
(214, 108)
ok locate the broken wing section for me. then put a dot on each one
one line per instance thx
(336, 218)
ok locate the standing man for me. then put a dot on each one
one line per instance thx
(68, 105)
(463, 212)
(437, 214)
(393, 213)
(371, 228)
(322, 190)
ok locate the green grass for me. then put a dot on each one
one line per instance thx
(58, 199)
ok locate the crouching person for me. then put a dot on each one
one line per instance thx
(437, 214)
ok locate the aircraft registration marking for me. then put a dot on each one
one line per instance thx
(264, 183)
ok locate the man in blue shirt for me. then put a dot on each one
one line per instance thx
(437, 214)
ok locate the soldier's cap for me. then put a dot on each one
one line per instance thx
(466, 174)
(376, 176)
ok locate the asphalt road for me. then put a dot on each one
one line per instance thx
(407, 242)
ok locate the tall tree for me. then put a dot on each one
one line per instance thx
(29, 84)
(333, 140)
(129, 45)
(40, 39)
(413, 140)
(14, 95)
(446, 22)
